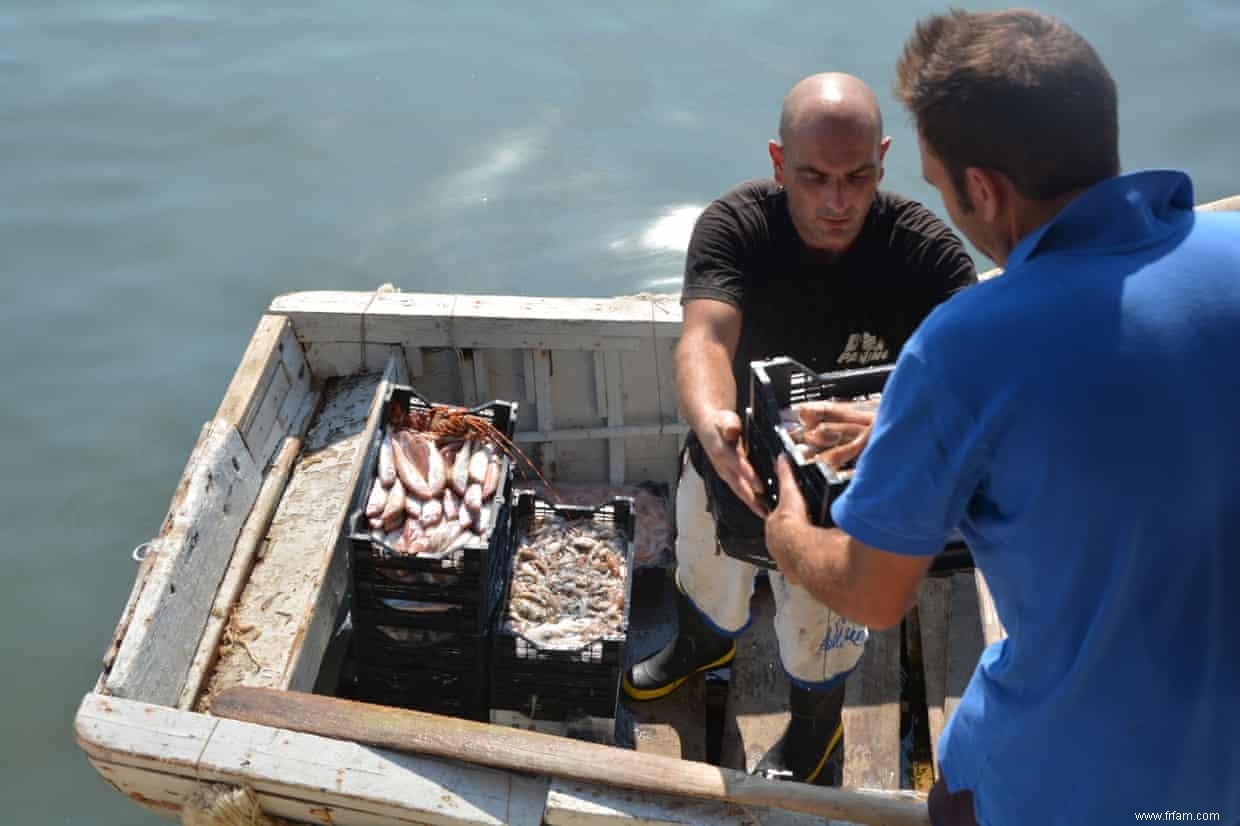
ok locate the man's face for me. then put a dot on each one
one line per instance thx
(959, 207)
(831, 173)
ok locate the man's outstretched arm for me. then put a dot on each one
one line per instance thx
(864, 584)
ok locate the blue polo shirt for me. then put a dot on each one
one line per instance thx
(1078, 418)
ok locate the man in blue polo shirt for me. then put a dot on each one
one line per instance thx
(1078, 419)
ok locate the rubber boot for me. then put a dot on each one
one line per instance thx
(696, 648)
(815, 734)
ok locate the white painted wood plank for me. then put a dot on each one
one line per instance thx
(469, 382)
(482, 377)
(582, 804)
(165, 795)
(158, 752)
(600, 383)
(160, 793)
(252, 535)
(110, 728)
(412, 320)
(324, 315)
(964, 640)
(331, 359)
(261, 432)
(195, 543)
(312, 635)
(934, 615)
(615, 418)
(247, 387)
(413, 361)
(576, 434)
(340, 773)
(297, 580)
(347, 358)
(546, 416)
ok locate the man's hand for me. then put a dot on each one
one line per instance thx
(722, 443)
(787, 524)
(841, 429)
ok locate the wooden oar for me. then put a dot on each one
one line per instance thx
(534, 753)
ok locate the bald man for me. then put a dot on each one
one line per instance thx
(820, 265)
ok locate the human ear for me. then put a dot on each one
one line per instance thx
(883, 146)
(777, 161)
(985, 192)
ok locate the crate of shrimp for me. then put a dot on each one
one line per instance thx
(776, 423)
(428, 529)
(560, 633)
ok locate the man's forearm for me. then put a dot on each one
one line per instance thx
(825, 562)
(704, 381)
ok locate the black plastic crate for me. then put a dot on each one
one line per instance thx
(781, 383)
(558, 683)
(400, 647)
(470, 576)
(437, 690)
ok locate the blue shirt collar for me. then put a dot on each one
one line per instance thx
(1121, 213)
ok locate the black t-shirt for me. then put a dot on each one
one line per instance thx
(850, 310)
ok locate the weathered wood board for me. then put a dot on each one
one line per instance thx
(965, 640)
(756, 713)
(191, 553)
(156, 755)
(872, 715)
(934, 610)
(282, 621)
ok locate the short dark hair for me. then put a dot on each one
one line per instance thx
(1014, 91)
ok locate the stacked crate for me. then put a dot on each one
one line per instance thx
(542, 687)
(421, 623)
(778, 384)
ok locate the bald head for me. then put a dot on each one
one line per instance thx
(830, 101)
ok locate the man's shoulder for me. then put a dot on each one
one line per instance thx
(757, 194)
(905, 215)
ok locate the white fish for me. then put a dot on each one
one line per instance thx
(378, 497)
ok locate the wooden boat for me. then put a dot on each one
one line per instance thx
(245, 581)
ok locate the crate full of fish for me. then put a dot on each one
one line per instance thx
(428, 530)
(562, 625)
(772, 426)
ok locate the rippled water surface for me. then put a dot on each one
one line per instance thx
(166, 168)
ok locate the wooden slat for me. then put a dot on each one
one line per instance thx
(546, 415)
(992, 628)
(444, 320)
(933, 609)
(157, 751)
(284, 615)
(262, 431)
(600, 383)
(583, 804)
(330, 581)
(872, 715)
(964, 640)
(516, 750)
(615, 418)
(248, 542)
(482, 377)
(258, 363)
(216, 492)
(756, 713)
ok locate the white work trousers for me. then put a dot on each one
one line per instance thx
(816, 645)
